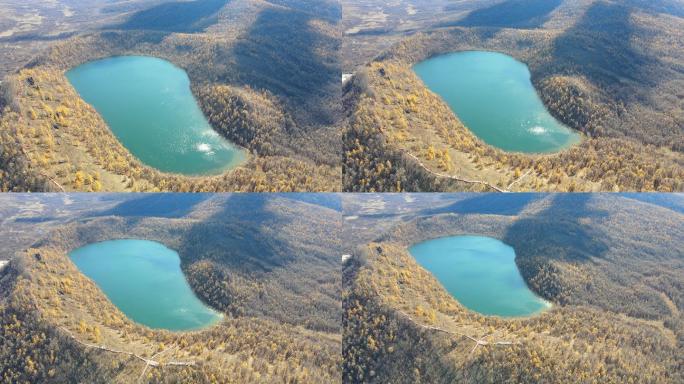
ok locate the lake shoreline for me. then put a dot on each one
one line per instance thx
(481, 274)
(145, 281)
(148, 105)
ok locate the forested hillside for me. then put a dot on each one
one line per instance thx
(612, 267)
(265, 271)
(244, 72)
(609, 70)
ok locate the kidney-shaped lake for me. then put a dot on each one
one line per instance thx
(480, 272)
(491, 93)
(144, 280)
(148, 105)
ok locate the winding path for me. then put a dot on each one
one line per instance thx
(457, 178)
(149, 362)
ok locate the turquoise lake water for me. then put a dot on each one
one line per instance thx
(144, 280)
(480, 272)
(492, 94)
(148, 105)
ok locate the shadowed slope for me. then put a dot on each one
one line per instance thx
(276, 257)
(499, 204)
(511, 14)
(600, 46)
(297, 64)
(175, 16)
(157, 205)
